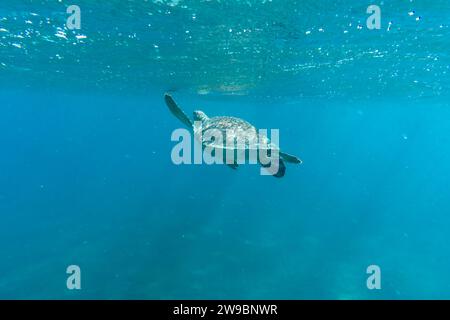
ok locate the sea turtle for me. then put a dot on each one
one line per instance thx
(232, 129)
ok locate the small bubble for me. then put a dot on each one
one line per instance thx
(389, 26)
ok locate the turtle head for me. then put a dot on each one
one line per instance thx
(200, 116)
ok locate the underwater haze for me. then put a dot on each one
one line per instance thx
(87, 177)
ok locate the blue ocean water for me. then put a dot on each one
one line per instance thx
(86, 176)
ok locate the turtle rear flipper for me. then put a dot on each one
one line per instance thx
(277, 172)
(233, 166)
(176, 111)
(290, 158)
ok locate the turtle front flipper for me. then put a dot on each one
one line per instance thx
(176, 111)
